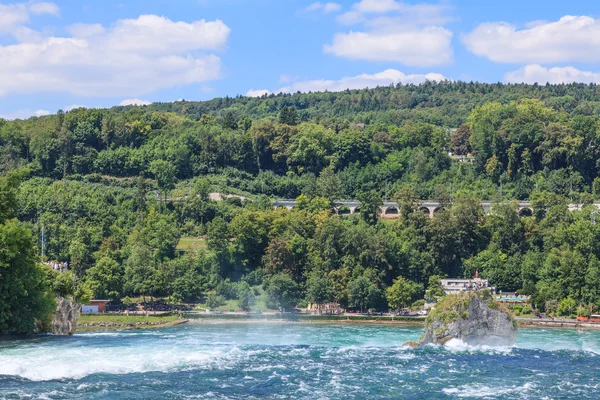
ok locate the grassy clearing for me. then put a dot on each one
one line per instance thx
(96, 322)
(191, 244)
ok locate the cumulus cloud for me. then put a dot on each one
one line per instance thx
(257, 93)
(24, 114)
(129, 58)
(395, 32)
(424, 47)
(384, 78)
(14, 16)
(135, 102)
(325, 8)
(570, 39)
(535, 73)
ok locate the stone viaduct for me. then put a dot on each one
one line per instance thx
(390, 209)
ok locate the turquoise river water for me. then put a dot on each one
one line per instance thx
(296, 361)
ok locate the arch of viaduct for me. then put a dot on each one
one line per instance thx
(390, 209)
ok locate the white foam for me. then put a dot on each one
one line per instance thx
(487, 391)
(457, 345)
(43, 363)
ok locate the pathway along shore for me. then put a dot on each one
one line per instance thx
(365, 319)
(102, 324)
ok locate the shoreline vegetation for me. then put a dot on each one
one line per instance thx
(96, 323)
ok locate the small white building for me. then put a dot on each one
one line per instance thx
(461, 285)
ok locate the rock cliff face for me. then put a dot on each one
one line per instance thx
(475, 318)
(65, 318)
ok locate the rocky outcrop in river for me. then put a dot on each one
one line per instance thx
(473, 317)
(65, 317)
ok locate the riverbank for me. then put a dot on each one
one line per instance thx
(90, 323)
(106, 322)
(556, 323)
(303, 318)
(199, 317)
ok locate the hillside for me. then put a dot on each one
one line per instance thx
(115, 190)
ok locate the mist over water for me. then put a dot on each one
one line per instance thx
(296, 361)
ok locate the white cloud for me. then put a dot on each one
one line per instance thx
(130, 58)
(385, 78)
(325, 8)
(73, 107)
(350, 17)
(377, 6)
(411, 34)
(536, 73)
(14, 16)
(257, 93)
(421, 47)
(41, 7)
(406, 14)
(24, 114)
(134, 102)
(570, 39)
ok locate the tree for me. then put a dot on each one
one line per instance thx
(165, 175)
(339, 279)
(329, 185)
(434, 288)
(318, 289)
(139, 271)
(370, 206)
(246, 297)
(214, 301)
(278, 257)
(402, 293)
(230, 120)
(106, 279)
(282, 291)
(408, 200)
(25, 297)
(567, 307)
(459, 143)
(362, 293)
(288, 116)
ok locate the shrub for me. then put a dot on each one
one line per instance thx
(214, 301)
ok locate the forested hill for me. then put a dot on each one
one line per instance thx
(117, 192)
(444, 103)
(526, 138)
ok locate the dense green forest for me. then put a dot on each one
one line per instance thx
(115, 191)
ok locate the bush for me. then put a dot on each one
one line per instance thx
(214, 301)
(245, 296)
(228, 290)
(418, 304)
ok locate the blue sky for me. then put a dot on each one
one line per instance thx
(102, 53)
